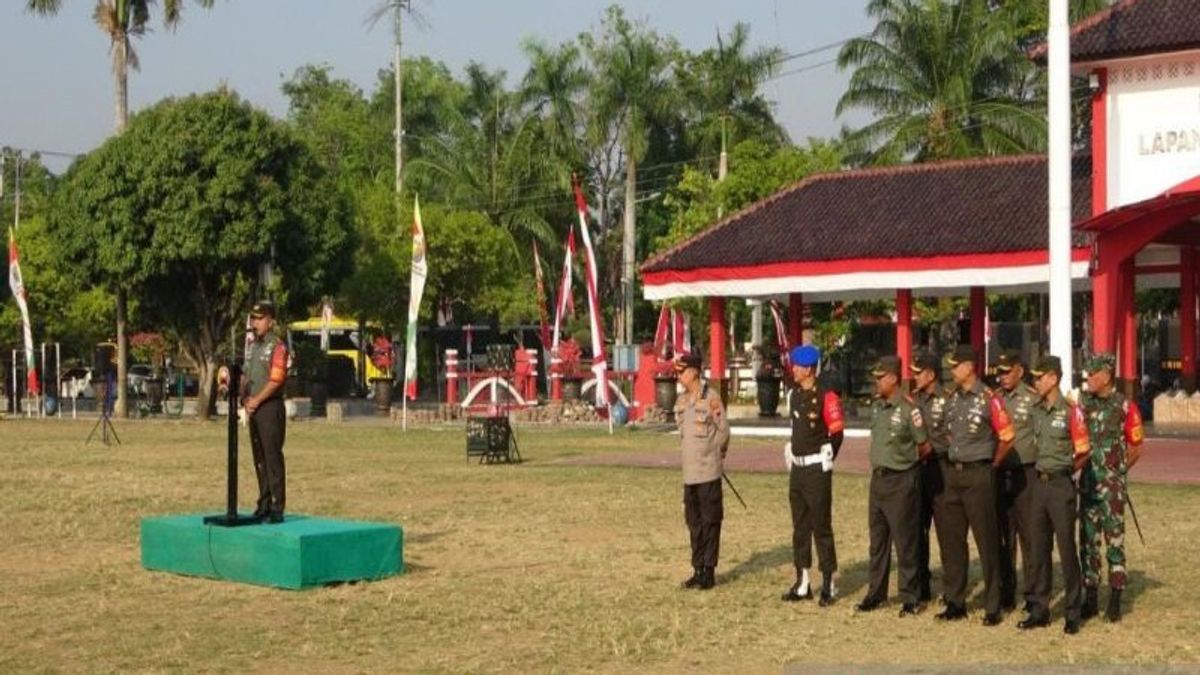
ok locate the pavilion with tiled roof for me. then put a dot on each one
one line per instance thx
(963, 227)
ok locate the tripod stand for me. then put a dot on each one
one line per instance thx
(104, 424)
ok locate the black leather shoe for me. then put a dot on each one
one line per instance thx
(1091, 603)
(708, 578)
(694, 581)
(951, 613)
(910, 609)
(274, 517)
(1031, 622)
(262, 512)
(1114, 606)
(826, 596)
(1029, 607)
(1071, 627)
(868, 605)
(993, 619)
(793, 594)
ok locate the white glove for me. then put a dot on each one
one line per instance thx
(788, 458)
(827, 457)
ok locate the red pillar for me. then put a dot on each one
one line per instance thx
(904, 330)
(716, 344)
(1127, 363)
(1187, 316)
(452, 376)
(795, 319)
(1105, 289)
(978, 312)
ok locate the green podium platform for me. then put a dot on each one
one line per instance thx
(301, 552)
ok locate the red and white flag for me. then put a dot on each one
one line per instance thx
(18, 290)
(565, 304)
(681, 332)
(543, 319)
(781, 336)
(599, 363)
(660, 333)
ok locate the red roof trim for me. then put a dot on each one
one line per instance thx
(857, 265)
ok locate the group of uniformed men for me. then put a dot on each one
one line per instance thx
(998, 464)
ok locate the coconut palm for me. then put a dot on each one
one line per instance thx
(122, 21)
(721, 84)
(944, 79)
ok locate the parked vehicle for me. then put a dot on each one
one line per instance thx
(76, 383)
(137, 376)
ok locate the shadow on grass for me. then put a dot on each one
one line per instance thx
(424, 537)
(851, 579)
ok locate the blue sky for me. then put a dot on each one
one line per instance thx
(56, 86)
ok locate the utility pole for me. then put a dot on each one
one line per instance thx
(1059, 62)
(399, 7)
(627, 250)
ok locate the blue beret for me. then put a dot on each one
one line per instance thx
(805, 355)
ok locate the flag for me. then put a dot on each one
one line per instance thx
(543, 319)
(18, 291)
(681, 332)
(416, 287)
(660, 333)
(326, 319)
(781, 336)
(599, 364)
(565, 304)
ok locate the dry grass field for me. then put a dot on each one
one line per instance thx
(538, 567)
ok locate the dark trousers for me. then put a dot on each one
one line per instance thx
(704, 509)
(810, 492)
(1052, 517)
(969, 502)
(1013, 505)
(267, 430)
(893, 515)
(930, 475)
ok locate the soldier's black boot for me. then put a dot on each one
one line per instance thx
(952, 612)
(1091, 603)
(708, 578)
(827, 594)
(694, 581)
(794, 594)
(1071, 627)
(1114, 606)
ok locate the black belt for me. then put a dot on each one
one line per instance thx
(885, 471)
(959, 466)
(1047, 476)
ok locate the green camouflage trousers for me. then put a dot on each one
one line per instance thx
(1102, 512)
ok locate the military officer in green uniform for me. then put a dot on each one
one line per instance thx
(980, 434)
(1013, 478)
(1060, 433)
(898, 442)
(1115, 434)
(930, 398)
(262, 394)
(703, 441)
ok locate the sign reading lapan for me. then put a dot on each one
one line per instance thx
(1169, 141)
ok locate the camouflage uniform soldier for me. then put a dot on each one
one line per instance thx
(930, 398)
(703, 439)
(1115, 432)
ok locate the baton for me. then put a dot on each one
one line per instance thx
(1133, 513)
(743, 501)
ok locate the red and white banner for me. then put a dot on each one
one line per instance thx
(781, 336)
(599, 363)
(18, 290)
(543, 319)
(420, 270)
(565, 305)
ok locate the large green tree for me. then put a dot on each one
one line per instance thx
(944, 79)
(122, 21)
(187, 207)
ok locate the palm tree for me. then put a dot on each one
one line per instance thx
(944, 79)
(121, 21)
(552, 89)
(721, 84)
(632, 94)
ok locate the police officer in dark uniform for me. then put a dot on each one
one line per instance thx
(898, 442)
(1013, 478)
(703, 441)
(262, 394)
(1062, 438)
(980, 435)
(817, 428)
(930, 398)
